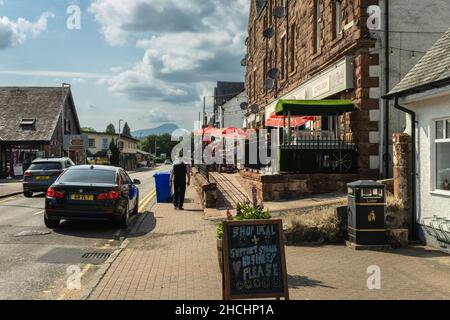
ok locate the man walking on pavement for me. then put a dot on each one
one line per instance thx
(180, 179)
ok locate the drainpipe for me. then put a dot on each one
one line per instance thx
(63, 117)
(286, 67)
(413, 165)
(387, 85)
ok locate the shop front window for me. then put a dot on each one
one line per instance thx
(442, 146)
(105, 144)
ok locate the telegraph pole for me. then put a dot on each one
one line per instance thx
(204, 111)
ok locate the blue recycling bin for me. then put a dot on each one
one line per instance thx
(163, 192)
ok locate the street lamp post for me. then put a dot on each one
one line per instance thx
(156, 147)
(63, 119)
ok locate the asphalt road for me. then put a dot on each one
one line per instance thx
(34, 259)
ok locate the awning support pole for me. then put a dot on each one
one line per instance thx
(338, 128)
(289, 127)
(345, 127)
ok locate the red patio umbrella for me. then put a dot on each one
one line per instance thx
(207, 133)
(279, 121)
(235, 133)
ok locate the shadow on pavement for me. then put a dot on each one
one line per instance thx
(418, 252)
(296, 282)
(89, 229)
(143, 225)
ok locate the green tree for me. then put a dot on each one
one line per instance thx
(126, 130)
(164, 144)
(87, 129)
(115, 157)
(110, 128)
(148, 144)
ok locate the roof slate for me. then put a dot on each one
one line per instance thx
(41, 103)
(227, 90)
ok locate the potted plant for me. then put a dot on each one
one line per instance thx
(244, 212)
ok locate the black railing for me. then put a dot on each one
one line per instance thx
(308, 155)
(318, 155)
(253, 152)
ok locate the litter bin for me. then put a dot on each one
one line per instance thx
(163, 192)
(366, 213)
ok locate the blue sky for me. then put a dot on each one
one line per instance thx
(145, 61)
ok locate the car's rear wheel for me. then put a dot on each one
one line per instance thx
(28, 194)
(50, 223)
(124, 221)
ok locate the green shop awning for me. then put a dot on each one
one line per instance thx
(314, 107)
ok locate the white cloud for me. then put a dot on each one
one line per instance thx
(141, 83)
(111, 14)
(191, 43)
(13, 33)
(118, 19)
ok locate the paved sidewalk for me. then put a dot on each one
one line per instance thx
(171, 255)
(336, 272)
(10, 187)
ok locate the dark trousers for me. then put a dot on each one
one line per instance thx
(179, 194)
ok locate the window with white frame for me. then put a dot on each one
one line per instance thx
(105, 144)
(338, 17)
(283, 57)
(91, 143)
(442, 156)
(318, 26)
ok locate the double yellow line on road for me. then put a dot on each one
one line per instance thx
(147, 199)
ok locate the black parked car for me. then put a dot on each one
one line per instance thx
(92, 193)
(43, 173)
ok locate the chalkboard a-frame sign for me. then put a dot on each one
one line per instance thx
(254, 260)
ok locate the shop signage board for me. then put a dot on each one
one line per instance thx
(18, 169)
(254, 260)
(334, 79)
(75, 142)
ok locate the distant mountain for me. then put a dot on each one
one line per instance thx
(165, 128)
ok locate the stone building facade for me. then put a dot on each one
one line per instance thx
(309, 41)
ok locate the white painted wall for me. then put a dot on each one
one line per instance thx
(423, 23)
(231, 114)
(428, 109)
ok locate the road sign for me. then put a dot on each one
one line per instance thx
(109, 154)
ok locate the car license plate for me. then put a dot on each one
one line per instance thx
(42, 178)
(82, 197)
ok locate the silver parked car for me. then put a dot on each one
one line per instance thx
(43, 173)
